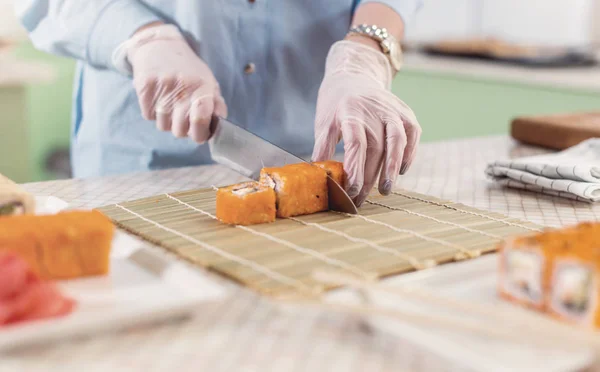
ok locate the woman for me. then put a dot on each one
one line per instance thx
(151, 73)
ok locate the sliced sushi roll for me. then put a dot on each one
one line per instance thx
(247, 203)
(335, 170)
(555, 271)
(522, 272)
(300, 188)
(67, 245)
(14, 200)
(574, 283)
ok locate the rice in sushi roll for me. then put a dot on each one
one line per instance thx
(300, 188)
(248, 203)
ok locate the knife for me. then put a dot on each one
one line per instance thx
(246, 153)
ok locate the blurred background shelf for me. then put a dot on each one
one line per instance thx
(467, 99)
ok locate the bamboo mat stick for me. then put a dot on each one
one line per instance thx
(240, 260)
(307, 251)
(516, 322)
(505, 220)
(410, 259)
(493, 236)
(424, 237)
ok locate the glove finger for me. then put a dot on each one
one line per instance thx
(146, 92)
(374, 157)
(220, 105)
(201, 111)
(181, 119)
(166, 91)
(326, 139)
(395, 145)
(355, 154)
(413, 134)
(163, 121)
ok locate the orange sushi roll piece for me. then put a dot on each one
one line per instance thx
(527, 263)
(63, 246)
(522, 272)
(574, 283)
(335, 170)
(248, 203)
(301, 188)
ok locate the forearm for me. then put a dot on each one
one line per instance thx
(85, 30)
(393, 15)
(377, 14)
(381, 15)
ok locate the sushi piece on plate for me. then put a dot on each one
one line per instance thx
(522, 271)
(555, 271)
(62, 246)
(574, 281)
(248, 203)
(300, 188)
(525, 266)
(335, 170)
(13, 199)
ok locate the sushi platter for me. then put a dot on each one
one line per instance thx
(141, 287)
(472, 284)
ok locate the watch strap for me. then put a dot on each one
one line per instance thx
(380, 34)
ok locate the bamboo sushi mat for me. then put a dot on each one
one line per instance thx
(394, 234)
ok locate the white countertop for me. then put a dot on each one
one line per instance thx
(575, 78)
(249, 333)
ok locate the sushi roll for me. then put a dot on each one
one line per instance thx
(247, 203)
(573, 283)
(555, 271)
(13, 199)
(523, 269)
(62, 246)
(335, 170)
(526, 263)
(300, 188)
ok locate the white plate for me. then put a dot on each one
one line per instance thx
(143, 287)
(49, 205)
(473, 281)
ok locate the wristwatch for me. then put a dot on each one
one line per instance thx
(388, 43)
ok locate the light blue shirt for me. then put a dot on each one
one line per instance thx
(286, 40)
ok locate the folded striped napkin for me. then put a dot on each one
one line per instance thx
(573, 173)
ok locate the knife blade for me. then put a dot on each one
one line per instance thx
(246, 153)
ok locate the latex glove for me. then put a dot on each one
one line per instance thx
(380, 132)
(174, 86)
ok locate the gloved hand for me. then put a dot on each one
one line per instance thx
(174, 86)
(380, 132)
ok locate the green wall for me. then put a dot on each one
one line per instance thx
(49, 111)
(447, 106)
(13, 134)
(455, 107)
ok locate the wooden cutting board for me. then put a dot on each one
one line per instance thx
(556, 131)
(505, 52)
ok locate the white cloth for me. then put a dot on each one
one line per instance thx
(573, 173)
